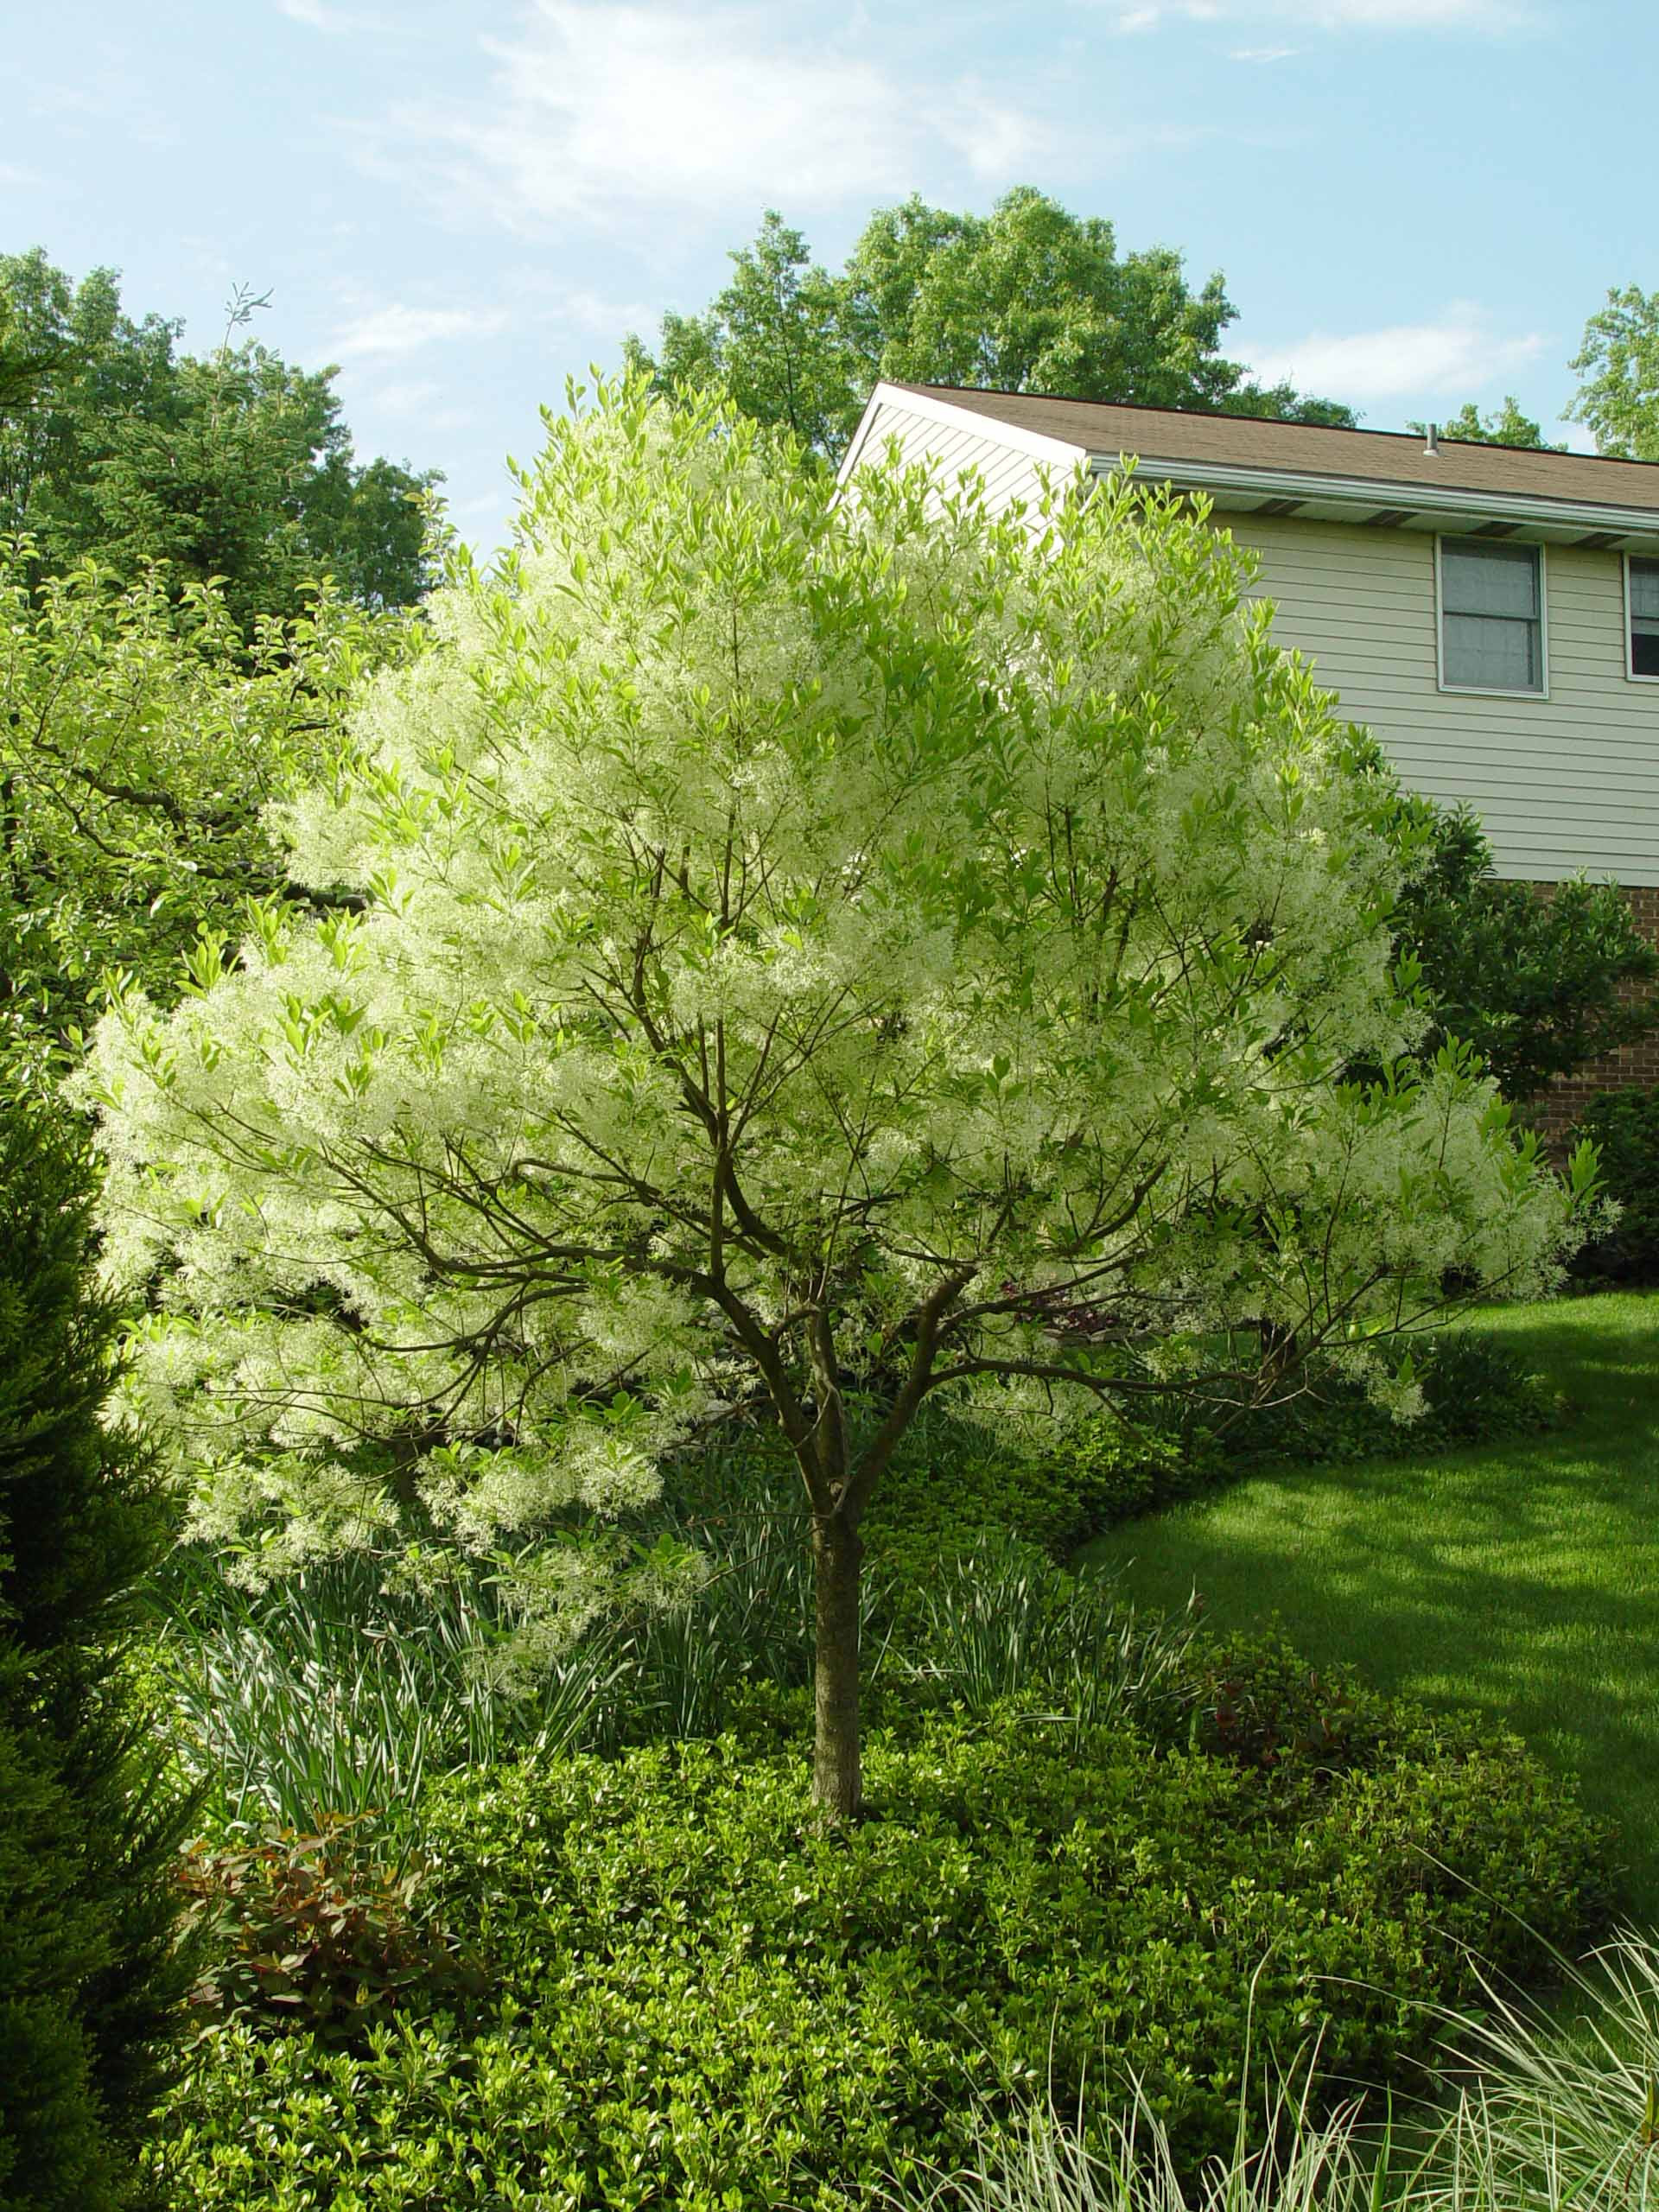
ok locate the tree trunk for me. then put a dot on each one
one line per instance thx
(838, 1556)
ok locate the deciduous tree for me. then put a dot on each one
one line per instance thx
(816, 952)
(1617, 368)
(1504, 426)
(142, 731)
(1029, 298)
(236, 465)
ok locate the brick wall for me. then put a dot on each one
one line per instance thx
(1560, 1106)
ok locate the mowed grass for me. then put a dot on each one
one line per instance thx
(1519, 1580)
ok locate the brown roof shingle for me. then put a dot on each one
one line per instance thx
(1380, 456)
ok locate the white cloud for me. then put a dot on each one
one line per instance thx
(1459, 354)
(598, 108)
(1490, 16)
(415, 397)
(323, 16)
(393, 333)
(1411, 14)
(336, 21)
(313, 13)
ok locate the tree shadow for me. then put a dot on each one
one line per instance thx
(1519, 1581)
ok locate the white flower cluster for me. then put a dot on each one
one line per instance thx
(776, 906)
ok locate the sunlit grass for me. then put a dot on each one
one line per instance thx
(1521, 1579)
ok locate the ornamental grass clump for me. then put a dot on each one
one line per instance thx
(806, 947)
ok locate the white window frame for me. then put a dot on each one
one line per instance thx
(1630, 675)
(1493, 690)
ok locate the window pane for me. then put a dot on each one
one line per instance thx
(1489, 579)
(1644, 651)
(1497, 655)
(1644, 588)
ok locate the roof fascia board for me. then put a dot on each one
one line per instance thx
(1374, 492)
(1058, 451)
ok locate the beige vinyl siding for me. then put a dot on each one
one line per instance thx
(1007, 474)
(1563, 783)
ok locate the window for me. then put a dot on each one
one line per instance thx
(1642, 587)
(1491, 616)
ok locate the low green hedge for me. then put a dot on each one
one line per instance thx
(706, 2000)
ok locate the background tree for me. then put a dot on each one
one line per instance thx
(89, 1983)
(1506, 426)
(236, 465)
(813, 952)
(778, 335)
(1618, 367)
(141, 735)
(1029, 298)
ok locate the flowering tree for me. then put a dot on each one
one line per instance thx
(813, 949)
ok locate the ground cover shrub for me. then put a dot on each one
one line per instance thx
(1624, 1125)
(1256, 1699)
(706, 1998)
(89, 1826)
(954, 1482)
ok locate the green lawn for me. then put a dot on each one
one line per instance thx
(1522, 1579)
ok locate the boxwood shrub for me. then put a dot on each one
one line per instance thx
(706, 1999)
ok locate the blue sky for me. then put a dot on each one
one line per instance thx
(1415, 202)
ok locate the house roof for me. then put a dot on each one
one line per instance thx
(1382, 457)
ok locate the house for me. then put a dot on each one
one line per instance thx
(1491, 614)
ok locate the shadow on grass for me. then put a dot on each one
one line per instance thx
(1520, 1581)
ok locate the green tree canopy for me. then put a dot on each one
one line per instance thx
(141, 733)
(1029, 298)
(116, 445)
(816, 952)
(1617, 368)
(1506, 426)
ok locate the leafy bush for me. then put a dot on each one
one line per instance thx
(1624, 1126)
(310, 1930)
(88, 1978)
(1257, 1701)
(1474, 1392)
(713, 2001)
(1539, 985)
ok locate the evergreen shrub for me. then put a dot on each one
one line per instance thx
(89, 1975)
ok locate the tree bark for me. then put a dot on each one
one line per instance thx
(837, 1557)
